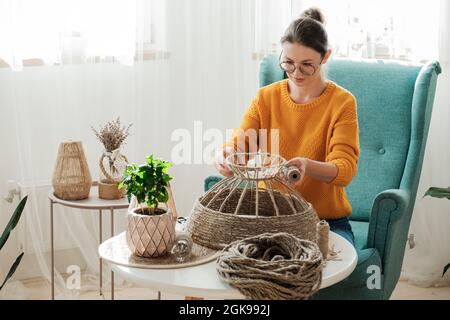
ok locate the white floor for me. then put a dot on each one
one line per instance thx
(39, 289)
(407, 291)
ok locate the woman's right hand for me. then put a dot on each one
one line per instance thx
(220, 163)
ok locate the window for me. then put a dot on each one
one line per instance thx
(75, 31)
(381, 29)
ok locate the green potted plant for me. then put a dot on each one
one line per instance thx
(151, 223)
(439, 193)
(5, 235)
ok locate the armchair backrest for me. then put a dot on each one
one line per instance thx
(394, 108)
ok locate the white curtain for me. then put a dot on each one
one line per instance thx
(381, 29)
(191, 67)
(56, 32)
(430, 223)
(271, 17)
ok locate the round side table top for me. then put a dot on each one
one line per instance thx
(93, 202)
(203, 281)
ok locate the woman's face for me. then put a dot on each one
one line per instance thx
(308, 59)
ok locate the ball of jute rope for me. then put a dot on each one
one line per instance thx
(273, 266)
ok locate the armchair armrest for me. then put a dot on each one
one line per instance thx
(392, 202)
(388, 231)
(210, 181)
(388, 208)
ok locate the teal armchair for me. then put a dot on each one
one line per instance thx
(395, 101)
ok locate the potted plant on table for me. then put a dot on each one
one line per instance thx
(151, 222)
(439, 193)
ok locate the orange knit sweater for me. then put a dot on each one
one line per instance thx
(326, 129)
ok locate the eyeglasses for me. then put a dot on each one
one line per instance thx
(306, 69)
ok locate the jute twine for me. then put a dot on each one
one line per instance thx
(272, 266)
(108, 187)
(323, 231)
(214, 229)
(108, 177)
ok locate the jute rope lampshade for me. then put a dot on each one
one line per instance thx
(257, 199)
(71, 177)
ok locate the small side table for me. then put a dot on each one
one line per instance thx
(91, 203)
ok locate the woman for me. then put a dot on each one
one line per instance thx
(316, 121)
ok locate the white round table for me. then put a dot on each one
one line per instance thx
(203, 281)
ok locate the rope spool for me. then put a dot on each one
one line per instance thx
(272, 266)
(323, 231)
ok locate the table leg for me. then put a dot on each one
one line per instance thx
(52, 257)
(112, 272)
(100, 241)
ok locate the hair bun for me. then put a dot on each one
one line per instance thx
(313, 13)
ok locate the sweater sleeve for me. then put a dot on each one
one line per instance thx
(344, 145)
(245, 138)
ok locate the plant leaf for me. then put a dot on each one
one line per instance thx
(445, 269)
(13, 221)
(147, 181)
(438, 192)
(12, 269)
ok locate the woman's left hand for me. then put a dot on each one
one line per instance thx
(302, 166)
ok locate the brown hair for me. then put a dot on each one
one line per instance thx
(308, 30)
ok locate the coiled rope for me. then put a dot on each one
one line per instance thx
(272, 266)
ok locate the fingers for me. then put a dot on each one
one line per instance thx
(295, 162)
(220, 161)
(225, 171)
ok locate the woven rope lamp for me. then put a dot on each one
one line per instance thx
(257, 199)
(71, 177)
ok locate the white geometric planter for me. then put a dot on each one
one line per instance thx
(150, 236)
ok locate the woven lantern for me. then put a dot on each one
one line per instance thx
(257, 199)
(71, 177)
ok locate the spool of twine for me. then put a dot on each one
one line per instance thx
(293, 175)
(323, 231)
